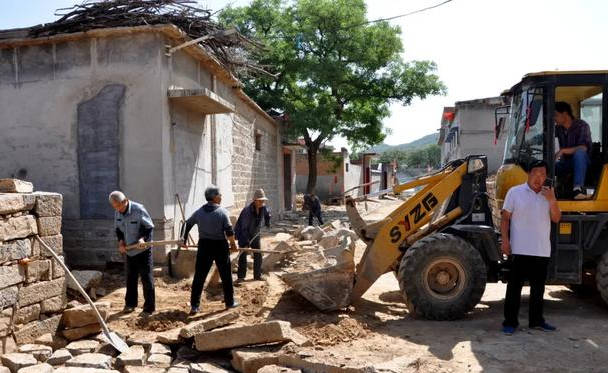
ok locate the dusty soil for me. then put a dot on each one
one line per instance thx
(377, 328)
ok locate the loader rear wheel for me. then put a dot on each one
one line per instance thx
(601, 277)
(442, 277)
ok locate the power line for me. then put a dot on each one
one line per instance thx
(401, 15)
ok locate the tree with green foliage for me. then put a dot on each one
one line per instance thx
(428, 156)
(334, 73)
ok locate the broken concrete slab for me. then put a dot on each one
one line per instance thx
(83, 370)
(90, 360)
(59, 357)
(15, 186)
(158, 348)
(209, 323)
(206, 368)
(48, 204)
(278, 369)
(16, 360)
(235, 336)
(75, 334)
(19, 227)
(38, 368)
(84, 315)
(40, 352)
(159, 360)
(86, 279)
(82, 347)
(134, 356)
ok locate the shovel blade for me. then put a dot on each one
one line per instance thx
(116, 342)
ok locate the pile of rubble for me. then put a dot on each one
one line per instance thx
(32, 284)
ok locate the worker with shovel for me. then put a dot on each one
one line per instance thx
(247, 230)
(133, 224)
(213, 229)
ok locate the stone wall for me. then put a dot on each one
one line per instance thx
(32, 283)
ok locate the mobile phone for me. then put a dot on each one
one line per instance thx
(548, 183)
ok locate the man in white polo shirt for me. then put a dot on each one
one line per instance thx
(525, 227)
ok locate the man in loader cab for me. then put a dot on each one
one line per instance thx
(525, 229)
(574, 136)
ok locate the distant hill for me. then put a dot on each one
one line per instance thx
(419, 143)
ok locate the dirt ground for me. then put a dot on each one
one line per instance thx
(377, 328)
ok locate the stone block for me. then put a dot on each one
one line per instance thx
(82, 347)
(6, 370)
(159, 360)
(83, 370)
(328, 242)
(19, 227)
(40, 352)
(270, 261)
(59, 357)
(38, 270)
(169, 337)
(38, 368)
(251, 362)
(74, 334)
(312, 233)
(29, 332)
(84, 315)
(206, 368)
(57, 270)
(54, 242)
(90, 360)
(210, 323)
(5, 322)
(142, 338)
(7, 345)
(49, 225)
(48, 204)
(11, 275)
(278, 369)
(134, 356)
(16, 360)
(15, 250)
(53, 305)
(8, 296)
(86, 279)
(146, 369)
(13, 202)
(15, 186)
(40, 291)
(159, 348)
(176, 369)
(27, 314)
(235, 336)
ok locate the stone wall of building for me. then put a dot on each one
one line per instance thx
(32, 283)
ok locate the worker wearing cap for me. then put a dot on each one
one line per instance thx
(247, 230)
(133, 224)
(214, 229)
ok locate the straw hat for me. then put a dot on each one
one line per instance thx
(259, 195)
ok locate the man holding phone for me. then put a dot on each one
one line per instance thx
(525, 228)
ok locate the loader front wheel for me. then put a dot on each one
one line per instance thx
(442, 277)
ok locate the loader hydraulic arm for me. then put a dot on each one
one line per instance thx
(412, 220)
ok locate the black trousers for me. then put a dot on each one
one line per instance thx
(140, 266)
(533, 269)
(210, 251)
(257, 262)
(316, 214)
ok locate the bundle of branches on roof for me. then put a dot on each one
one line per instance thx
(230, 48)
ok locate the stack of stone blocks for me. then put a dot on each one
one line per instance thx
(32, 283)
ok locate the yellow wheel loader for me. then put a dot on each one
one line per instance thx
(441, 243)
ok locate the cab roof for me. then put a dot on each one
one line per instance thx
(553, 75)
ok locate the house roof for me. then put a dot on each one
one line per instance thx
(18, 37)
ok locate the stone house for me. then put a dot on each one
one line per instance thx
(89, 112)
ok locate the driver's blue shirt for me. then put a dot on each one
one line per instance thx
(578, 134)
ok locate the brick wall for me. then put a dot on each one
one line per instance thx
(32, 283)
(251, 168)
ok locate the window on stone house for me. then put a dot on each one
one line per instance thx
(346, 165)
(258, 140)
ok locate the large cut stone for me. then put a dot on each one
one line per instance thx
(59, 357)
(206, 368)
(86, 279)
(17, 360)
(328, 242)
(15, 250)
(11, 275)
(11, 203)
(49, 225)
(15, 186)
(82, 347)
(40, 291)
(134, 356)
(74, 334)
(48, 204)
(7, 345)
(54, 242)
(38, 270)
(58, 271)
(251, 362)
(146, 369)
(158, 348)
(90, 360)
(40, 352)
(83, 370)
(19, 227)
(27, 314)
(29, 332)
(53, 305)
(235, 336)
(159, 360)
(84, 315)
(8, 296)
(210, 323)
(312, 233)
(169, 337)
(38, 368)
(278, 369)
(54, 341)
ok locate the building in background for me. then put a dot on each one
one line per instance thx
(468, 128)
(90, 112)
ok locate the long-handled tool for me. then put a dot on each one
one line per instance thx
(111, 337)
(144, 245)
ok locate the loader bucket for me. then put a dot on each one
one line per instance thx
(328, 288)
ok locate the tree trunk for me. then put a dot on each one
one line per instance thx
(312, 168)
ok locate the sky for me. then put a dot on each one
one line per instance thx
(481, 47)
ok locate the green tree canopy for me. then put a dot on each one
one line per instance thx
(335, 73)
(428, 156)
